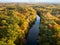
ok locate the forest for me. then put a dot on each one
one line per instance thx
(17, 19)
(49, 25)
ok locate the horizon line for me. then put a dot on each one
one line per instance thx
(29, 2)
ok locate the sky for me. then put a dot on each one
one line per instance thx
(51, 1)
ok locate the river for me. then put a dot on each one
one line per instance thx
(33, 33)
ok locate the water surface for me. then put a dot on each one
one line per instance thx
(33, 33)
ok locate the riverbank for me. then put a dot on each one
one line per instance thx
(24, 39)
(49, 33)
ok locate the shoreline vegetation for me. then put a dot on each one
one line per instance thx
(49, 25)
(14, 23)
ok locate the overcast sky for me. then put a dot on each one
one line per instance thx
(52, 1)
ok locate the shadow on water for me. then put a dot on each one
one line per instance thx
(33, 33)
